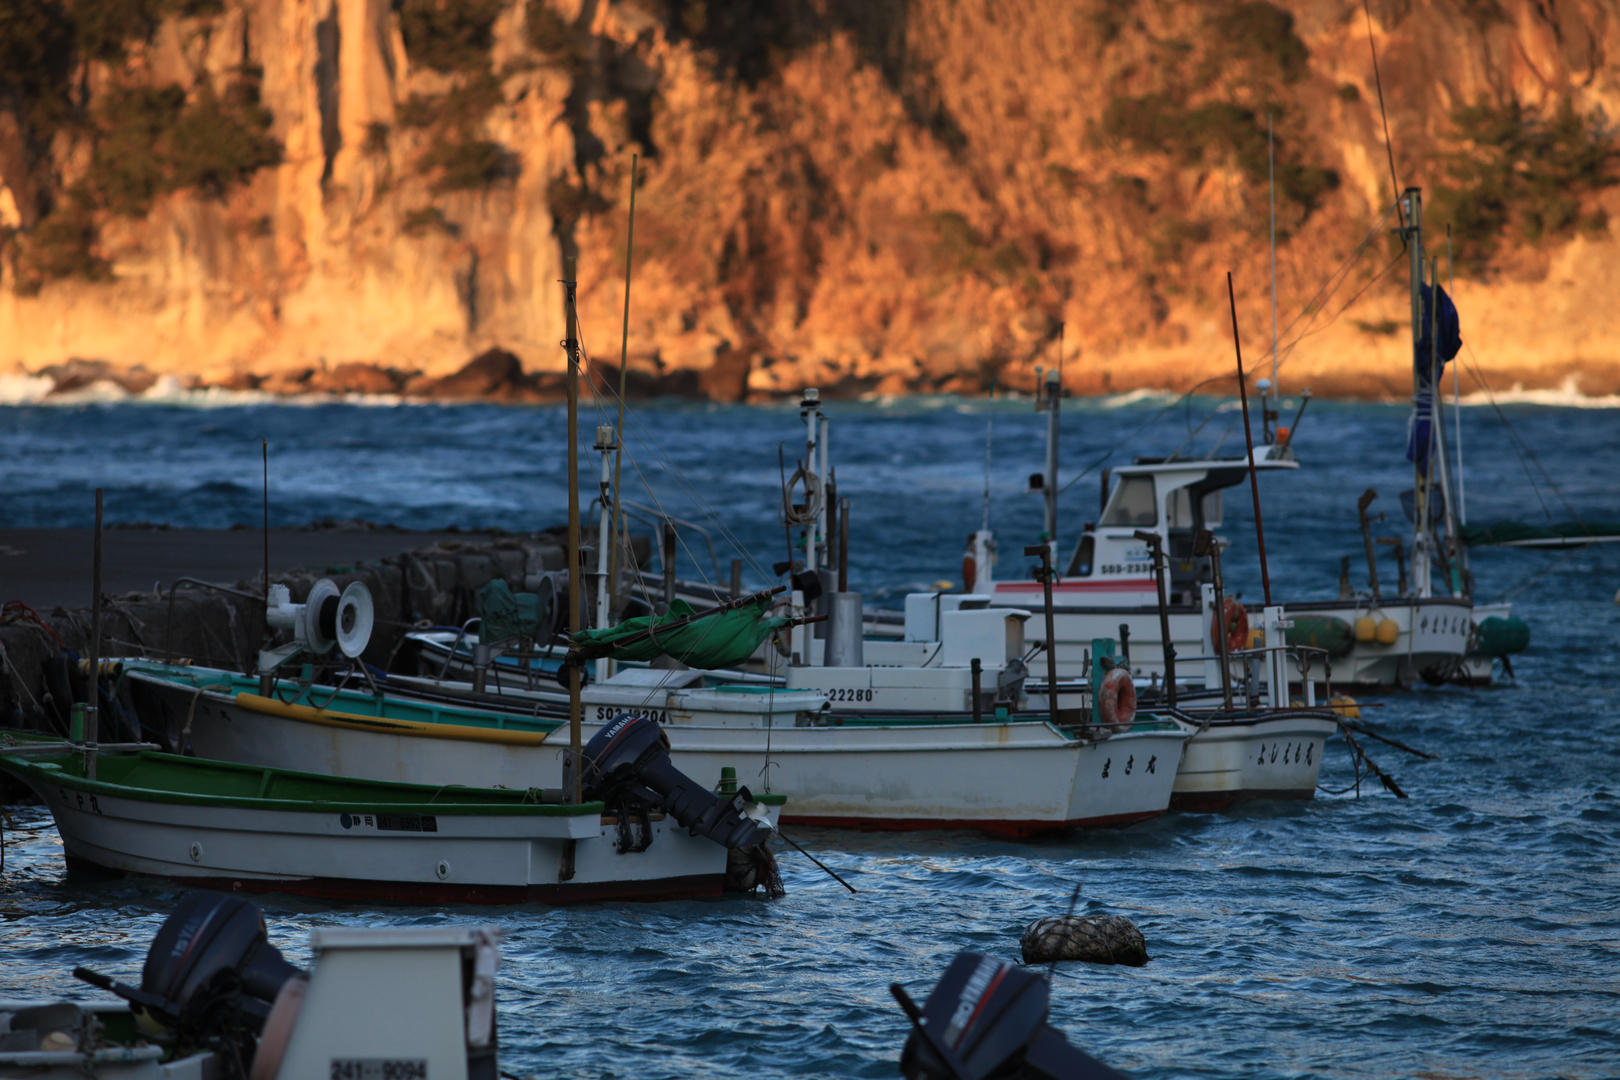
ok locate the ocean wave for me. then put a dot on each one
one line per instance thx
(1567, 394)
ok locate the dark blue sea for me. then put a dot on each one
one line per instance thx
(1470, 930)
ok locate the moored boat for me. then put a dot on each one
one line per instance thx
(244, 827)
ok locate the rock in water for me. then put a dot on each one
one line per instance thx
(1096, 939)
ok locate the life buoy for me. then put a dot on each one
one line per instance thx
(1237, 626)
(970, 575)
(1116, 700)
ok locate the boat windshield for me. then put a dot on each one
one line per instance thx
(1133, 504)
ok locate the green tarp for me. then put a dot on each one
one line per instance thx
(1522, 534)
(724, 640)
(506, 614)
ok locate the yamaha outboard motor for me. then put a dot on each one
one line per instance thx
(210, 979)
(987, 1018)
(627, 766)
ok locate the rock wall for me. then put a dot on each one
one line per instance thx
(867, 195)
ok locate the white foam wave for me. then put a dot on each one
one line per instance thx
(24, 389)
(1138, 397)
(1567, 394)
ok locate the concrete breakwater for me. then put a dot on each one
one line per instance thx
(432, 585)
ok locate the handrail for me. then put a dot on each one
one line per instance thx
(168, 626)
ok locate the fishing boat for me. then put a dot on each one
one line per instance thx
(343, 732)
(1428, 627)
(134, 810)
(217, 1001)
(898, 747)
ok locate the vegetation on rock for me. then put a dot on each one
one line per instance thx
(1515, 173)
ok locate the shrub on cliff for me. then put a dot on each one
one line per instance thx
(448, 35)
(104, 27)
(36, 64)
(151, 141)
(62, 245)
(1515, 174)
(1191, 135)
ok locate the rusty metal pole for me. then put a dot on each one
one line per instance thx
(1044, 551)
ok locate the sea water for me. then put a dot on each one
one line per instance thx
(1472, 929)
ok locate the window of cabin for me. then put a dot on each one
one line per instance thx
(1133, 504)
(1080, 565)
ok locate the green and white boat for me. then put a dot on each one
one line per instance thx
(133, 810)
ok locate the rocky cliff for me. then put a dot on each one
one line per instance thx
(866, 195)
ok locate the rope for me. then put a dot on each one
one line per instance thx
(15, 611)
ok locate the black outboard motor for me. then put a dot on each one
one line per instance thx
(987, 1018)
(627, 766)
(210, 979)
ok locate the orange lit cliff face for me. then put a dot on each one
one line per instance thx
(880, 195)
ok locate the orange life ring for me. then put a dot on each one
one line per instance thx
(970, 572)
(1116, 700)
(1237, 626)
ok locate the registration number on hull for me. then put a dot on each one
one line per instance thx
(606, 713)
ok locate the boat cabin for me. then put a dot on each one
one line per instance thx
(1173, 498)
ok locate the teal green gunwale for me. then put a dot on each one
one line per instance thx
(151, 776)
(355, 702)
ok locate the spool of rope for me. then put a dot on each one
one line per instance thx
(1096, 939)
(794, 514)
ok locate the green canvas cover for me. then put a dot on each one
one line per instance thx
(713, 641)
(507, 614)
(1564, 533)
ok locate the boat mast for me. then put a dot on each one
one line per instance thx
(575, 583)
(1422, 556)
(1054, 397)
(1268, 413)
(606, 445)
(624, 363)
(810, 412)
(1437, 444)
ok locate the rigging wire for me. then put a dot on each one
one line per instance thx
(1313, 308)
(1383, 114)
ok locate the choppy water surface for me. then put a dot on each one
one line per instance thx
(1472, 930)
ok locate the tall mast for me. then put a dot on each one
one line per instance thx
(575, 582)
(1269, 414)
(1054, 397)
(624, 363)
(1422, 556)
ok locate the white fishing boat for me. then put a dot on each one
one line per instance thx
(217, 1001)
(901, 747)
(245, 827)
(1425, 628)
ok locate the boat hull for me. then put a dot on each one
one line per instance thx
(1013, 778)
(1433, 637)
(427, 853)
(1266, 757)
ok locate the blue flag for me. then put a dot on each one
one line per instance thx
(1429, 363)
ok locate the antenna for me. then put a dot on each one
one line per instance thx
(1267, 415)
(1248, 435)
(265, 445)
(989, 432)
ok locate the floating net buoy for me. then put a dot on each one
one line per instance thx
(1096, 939)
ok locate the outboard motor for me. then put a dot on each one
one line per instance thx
(627, 765)
(987, 1018)
(211, 978)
